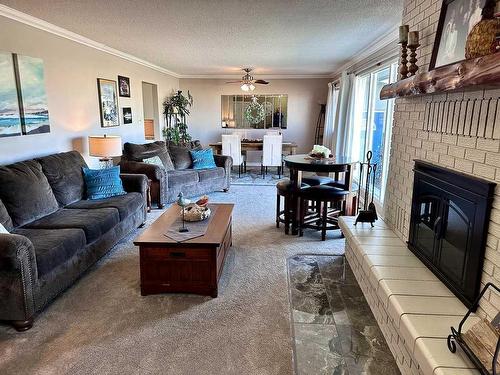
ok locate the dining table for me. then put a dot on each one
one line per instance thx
(255, 145)
(341, 166)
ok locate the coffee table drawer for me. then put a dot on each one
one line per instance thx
(160, 253)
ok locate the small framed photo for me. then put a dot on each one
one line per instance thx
(108, 102)
(456, 20)
(124, 86)
(127, 115)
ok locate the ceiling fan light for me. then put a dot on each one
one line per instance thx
(245, 87)
(251, 87)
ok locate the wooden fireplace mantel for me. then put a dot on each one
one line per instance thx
(473, 74)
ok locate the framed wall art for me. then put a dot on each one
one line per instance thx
(10, 118)
(108, 102)
(456, 20)
(127, 115)
(124, 86)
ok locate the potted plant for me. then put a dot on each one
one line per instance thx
(176, 108)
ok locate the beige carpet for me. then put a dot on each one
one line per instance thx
(103, 326)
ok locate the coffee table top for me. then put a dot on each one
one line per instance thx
(219, 221)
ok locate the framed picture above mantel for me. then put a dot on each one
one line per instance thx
(456, 20)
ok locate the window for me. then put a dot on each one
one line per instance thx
(371, 124)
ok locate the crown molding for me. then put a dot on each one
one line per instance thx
(260, 76)
(391, 37)
(16, 15)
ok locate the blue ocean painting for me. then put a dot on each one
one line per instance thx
(35, 111)
(10, 120)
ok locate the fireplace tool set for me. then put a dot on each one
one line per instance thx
(482, 352)
(369, 213)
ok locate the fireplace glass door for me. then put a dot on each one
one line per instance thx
(454, 238)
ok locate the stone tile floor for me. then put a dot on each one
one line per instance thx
(335, 331)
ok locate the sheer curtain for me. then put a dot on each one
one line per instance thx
(331, 110)
(339, 111)
(344, 113)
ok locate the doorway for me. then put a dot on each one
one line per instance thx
(151, 112)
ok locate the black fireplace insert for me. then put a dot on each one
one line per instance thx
(449, 224)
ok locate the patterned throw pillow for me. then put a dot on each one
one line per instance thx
(203, 159)
(155, 160)
(103, 183)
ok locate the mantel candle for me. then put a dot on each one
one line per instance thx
(403, 33)
(413, 38)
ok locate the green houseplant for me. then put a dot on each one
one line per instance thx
(176, 109)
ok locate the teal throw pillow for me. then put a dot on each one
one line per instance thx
(103, 183)
(203, 159)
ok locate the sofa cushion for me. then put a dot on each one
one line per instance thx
(184, 177)
(94, 223)
(64, 173)
(103, 183)
(53, 247)
(138, 152)
(210, 174)
(25, 192)
(125, 204)
(5, 219)
(181, 156)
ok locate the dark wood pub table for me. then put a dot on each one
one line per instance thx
(191, 266)
(304, 163)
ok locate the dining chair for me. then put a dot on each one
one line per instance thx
(231, 146)
(272, 153)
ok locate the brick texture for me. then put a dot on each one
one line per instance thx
(474, 155)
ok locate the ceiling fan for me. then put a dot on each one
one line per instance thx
(247, 81)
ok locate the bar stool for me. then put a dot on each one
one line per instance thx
(329, 203)
(284, 188)
(317, 180)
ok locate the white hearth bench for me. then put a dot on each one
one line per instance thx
(412, 307)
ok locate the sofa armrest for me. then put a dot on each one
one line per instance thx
(18, 277)
(154, 172)
(135, 183)
(225, 162)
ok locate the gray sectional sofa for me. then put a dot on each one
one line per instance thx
(176, 174)
(55, 234)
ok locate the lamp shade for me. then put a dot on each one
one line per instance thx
(105, 145)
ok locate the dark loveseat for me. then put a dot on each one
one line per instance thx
(55, 234)
(176, 174)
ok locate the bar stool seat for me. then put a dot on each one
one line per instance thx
(317, 180)
(322, 196)
(284, 188)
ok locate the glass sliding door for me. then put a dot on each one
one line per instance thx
(371, 125)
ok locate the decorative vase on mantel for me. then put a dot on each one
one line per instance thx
(482, 39)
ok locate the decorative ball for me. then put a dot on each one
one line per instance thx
(481, 38)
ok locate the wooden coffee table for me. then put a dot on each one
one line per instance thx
(192, 266)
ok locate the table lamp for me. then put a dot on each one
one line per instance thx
(105, 147)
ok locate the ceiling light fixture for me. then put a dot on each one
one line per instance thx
(247, 87)
(248, 82)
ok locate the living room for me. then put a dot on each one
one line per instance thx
(219, 187)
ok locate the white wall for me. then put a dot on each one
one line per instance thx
(71, 72)
(304, 96)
